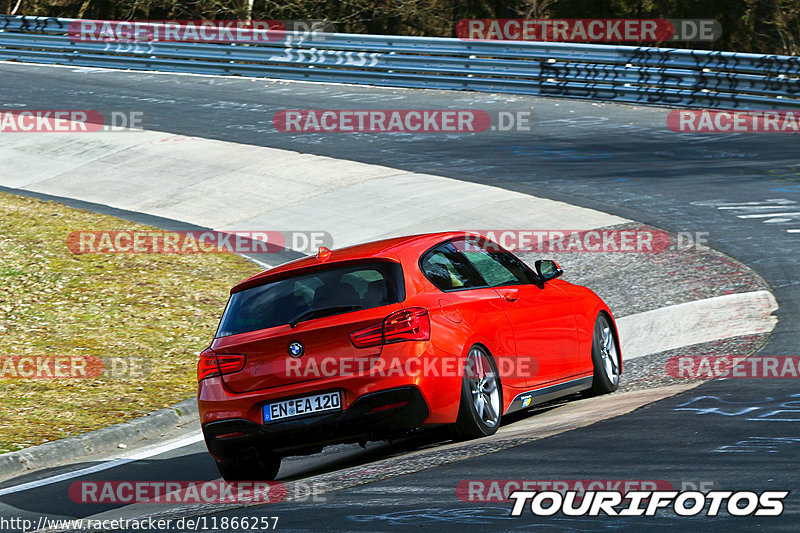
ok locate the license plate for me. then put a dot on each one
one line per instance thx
(330, 401)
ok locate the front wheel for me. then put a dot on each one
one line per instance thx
(481, 400)
(605, 357)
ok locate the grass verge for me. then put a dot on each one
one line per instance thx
(161, 308)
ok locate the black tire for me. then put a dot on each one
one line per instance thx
(470, 424)
(605, 357)
(263, 467)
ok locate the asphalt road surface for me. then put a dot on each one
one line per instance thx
(736, 434)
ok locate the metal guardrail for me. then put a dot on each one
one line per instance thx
(644, 75)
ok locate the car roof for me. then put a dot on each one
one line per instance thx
(382, 249)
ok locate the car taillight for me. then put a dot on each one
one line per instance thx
(412, 324)
(212, 364)
(371, 336)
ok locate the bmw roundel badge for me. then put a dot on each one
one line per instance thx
(296, 349)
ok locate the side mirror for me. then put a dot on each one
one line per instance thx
(547, 269)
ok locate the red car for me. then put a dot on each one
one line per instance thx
(372, 341)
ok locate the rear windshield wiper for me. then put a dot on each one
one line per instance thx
(322, 311)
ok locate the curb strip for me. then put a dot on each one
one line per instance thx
(71, 449)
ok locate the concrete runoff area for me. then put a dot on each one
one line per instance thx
(231, 186)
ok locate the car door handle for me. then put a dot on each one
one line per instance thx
(511, 296)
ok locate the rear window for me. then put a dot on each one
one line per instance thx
(344, 288)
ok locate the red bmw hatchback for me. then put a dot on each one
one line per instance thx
(373, 341)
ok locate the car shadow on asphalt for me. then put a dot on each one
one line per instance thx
(339, 457)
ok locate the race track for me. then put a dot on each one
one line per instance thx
(613, 159)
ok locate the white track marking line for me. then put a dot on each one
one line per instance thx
(766, 215)
(127, 458)
(735, 205)
(755, 207)
(676, 326)
(259, 263)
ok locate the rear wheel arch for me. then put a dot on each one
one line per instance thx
(471, 423)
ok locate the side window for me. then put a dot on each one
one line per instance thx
(497, 267)
(449, 270)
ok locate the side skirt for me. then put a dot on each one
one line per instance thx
(545, 394)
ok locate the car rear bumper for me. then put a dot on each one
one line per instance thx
(440, 389)
(374, 416)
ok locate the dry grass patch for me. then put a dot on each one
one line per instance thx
(161, 307)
